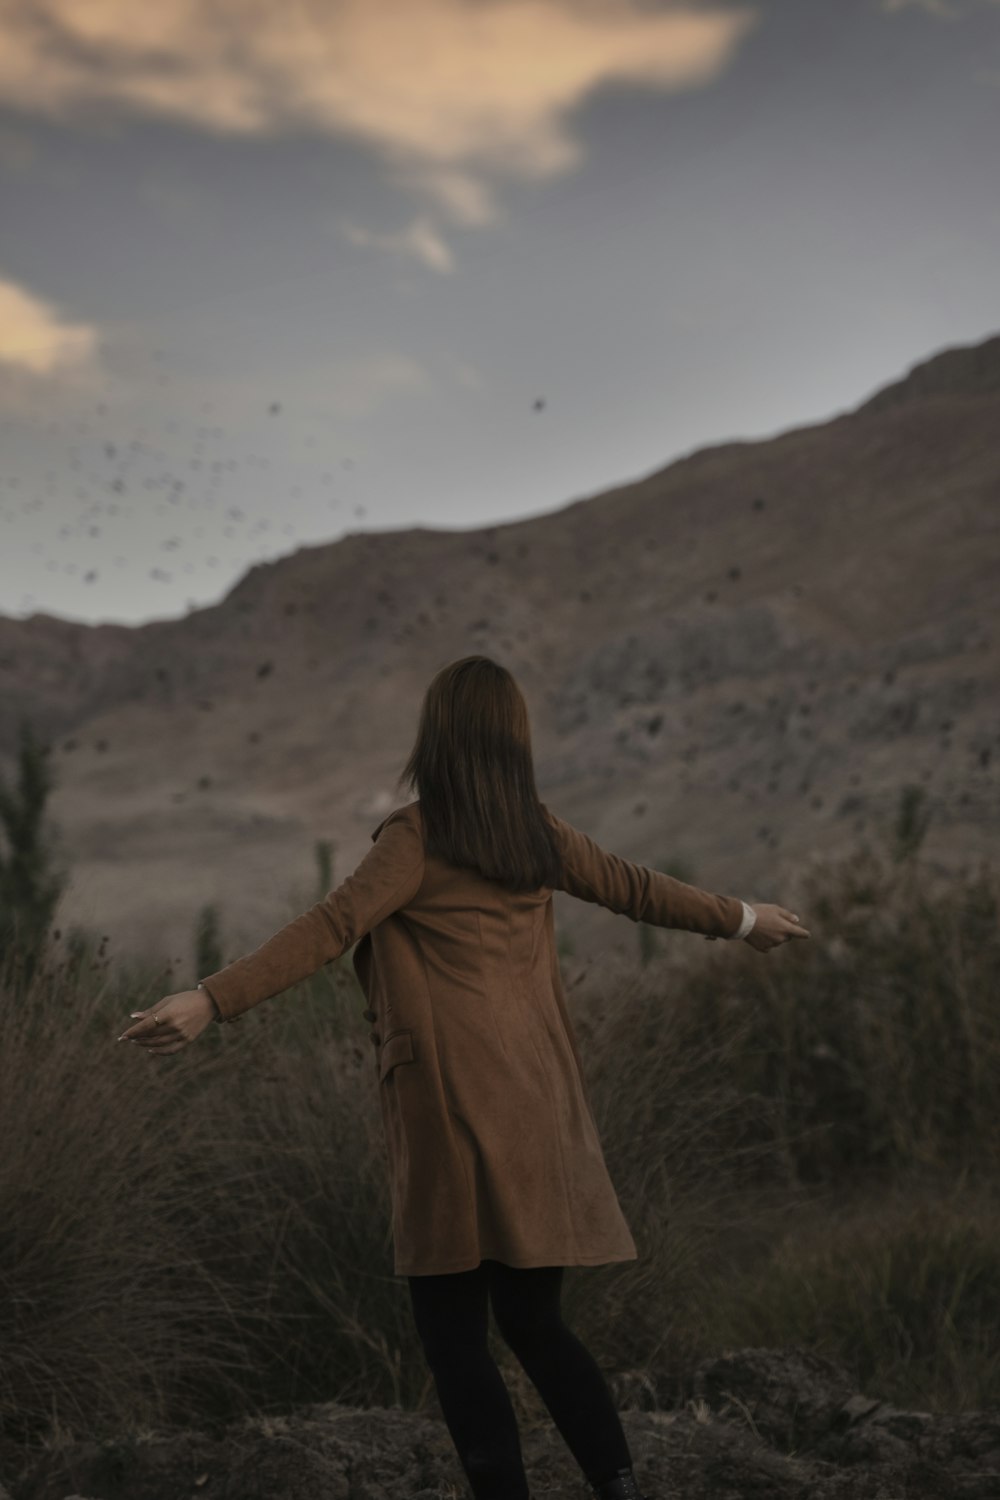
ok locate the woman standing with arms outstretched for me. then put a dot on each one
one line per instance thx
(496, 1171)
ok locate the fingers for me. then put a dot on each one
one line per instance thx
(147, 1035)
(161, 1047)
(146, 1026)
(155, 1032)
(790, 916)
(151, 1036)
(142, 1027)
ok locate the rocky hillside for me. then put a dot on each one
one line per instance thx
(735, 661)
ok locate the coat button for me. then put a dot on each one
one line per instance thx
(369, 1015)
(375, 1037)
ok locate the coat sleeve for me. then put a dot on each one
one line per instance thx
(636, 891)
(387, 878)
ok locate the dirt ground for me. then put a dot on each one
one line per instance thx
(779, 1425)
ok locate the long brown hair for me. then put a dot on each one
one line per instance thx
(471, 767)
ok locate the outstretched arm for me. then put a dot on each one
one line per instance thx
(387, 878)
(643, 894)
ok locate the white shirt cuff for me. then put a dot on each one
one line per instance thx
(749, 918)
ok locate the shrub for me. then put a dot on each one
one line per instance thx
(186, 1237)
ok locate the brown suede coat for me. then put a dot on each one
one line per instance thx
(491, 1144)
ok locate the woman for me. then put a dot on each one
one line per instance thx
(496, 1171)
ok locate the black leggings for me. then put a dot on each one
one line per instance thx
(451, 1315)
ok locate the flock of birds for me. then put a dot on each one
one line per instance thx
(137, 481)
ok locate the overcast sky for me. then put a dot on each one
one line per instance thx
(270, 274)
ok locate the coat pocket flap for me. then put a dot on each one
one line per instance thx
(397, 1048)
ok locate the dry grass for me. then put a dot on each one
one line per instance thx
(803, 1142)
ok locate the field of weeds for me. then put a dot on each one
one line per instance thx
(804, 1144)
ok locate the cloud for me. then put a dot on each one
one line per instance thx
(355, 387)
(33, 339)
(448, 91)
(467, 199)
(419, 238)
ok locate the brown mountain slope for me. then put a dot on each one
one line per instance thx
(736, 660)
(960, 371)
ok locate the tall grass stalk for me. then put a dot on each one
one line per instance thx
(190, 1237)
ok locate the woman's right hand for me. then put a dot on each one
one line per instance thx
(774, 925)
(179, 1019)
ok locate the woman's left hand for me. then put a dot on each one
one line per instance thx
(178, 1020)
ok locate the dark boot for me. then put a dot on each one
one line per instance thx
(624, 1486)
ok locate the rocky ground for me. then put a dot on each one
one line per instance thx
(779, 1425)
